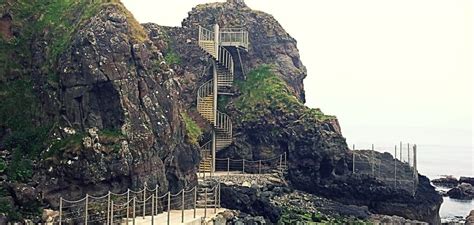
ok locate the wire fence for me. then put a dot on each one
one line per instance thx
(226, 166)
(398, 171)
(125, 208)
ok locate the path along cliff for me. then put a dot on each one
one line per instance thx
(94, 101)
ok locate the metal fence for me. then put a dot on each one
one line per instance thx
(145, 204)
(226, 166)
(398, 170)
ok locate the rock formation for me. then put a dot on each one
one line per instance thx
(95, 102)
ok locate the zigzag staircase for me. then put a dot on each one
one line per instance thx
(214, 45)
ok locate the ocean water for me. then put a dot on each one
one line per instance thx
(436, 161)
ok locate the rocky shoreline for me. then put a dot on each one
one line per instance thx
(269, 197)
(462, 189)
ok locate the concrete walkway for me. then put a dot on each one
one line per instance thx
(176, 217)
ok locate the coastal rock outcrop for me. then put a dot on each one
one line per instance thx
(447, 181)
(91, 106)
(464, 191)
(269, 116)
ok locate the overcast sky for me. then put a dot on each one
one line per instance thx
(389, 70)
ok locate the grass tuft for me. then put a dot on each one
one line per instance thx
(193, 130)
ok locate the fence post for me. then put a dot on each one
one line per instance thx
(144, 200)
(395, 160)
(408, 149)
(205, 202)
(281, 168)
(353, 158)
(112, 212)
(195, 199)
(152, 209)
(259, 166)
(182, 207)
(215, 199)
(128, 203)
(286, 165)
(60, 210)
(401, 150)
(169, 207)
(86, 209)
(219, 185)
(134, 207)
(228, 166)
(373, 161)
(243, 166)
(108, 208)
(156, 196)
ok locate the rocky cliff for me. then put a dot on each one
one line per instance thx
(269, 115)
(95, 102)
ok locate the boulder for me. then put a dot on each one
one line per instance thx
(464, 191)
(469, 180)
(448, 181)
(470, 218)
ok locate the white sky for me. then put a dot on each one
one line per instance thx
(390, 70)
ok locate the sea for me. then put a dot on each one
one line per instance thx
(435, 161)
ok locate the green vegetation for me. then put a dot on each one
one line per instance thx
(172, 58)
(3, 165)
(222, 102)
(193, 130)
(263, 93)
(58, 146)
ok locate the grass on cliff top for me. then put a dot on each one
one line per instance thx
(193, 130)
(264, 93)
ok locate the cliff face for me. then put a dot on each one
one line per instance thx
(97, 102)
(104, 104)
(269, 116)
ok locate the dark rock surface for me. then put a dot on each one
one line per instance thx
(469, 180)
(246, 200)
(464, 191)
(317, 152)
(116, 111)
(447, 181)
(470, 218)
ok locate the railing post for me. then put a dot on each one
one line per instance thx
(219, 185)
(194, 202)
(128, 207)
(259, 166)
(182, 207)
(156, 196)
(86, 209)
(286, 163)
(216, 39)
(353, 158)
(408, 151)
(215, 199)
(205, 202)
(60, 210)
(108, 208)
(169, 207)
(228, 166)
(128, 203)
(134, 207)
(281, 168)
(152, 209)
(395, 160)
(144, 201)
(373, 161)
(112, 212)
(401, 150)
(243, 166)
